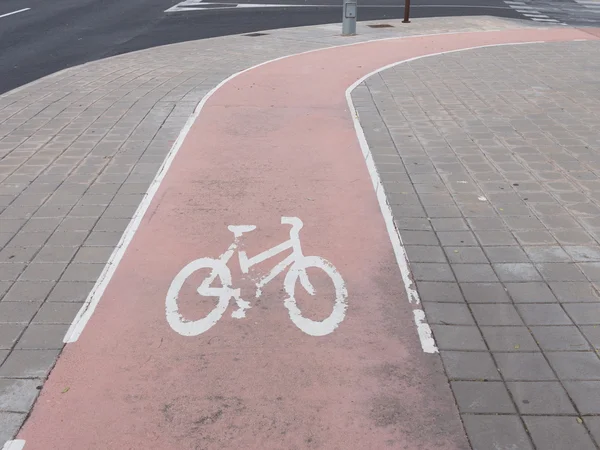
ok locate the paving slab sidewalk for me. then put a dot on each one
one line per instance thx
(82, 150)
(497, 152)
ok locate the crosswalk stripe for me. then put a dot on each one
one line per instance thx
(562, 12)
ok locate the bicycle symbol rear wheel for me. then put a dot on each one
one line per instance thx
(195, 327)
(309, 326)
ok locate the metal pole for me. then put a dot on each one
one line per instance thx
(406, 11)
(349, 18)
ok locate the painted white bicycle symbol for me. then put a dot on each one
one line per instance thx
(297, 263)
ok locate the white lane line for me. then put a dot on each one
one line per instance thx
(423, 329)
(17, 444)
(207, 7)
(94, 297)
(14, 12)
(424, 332)
(532, 13)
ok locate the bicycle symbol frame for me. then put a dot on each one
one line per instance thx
(297, 265)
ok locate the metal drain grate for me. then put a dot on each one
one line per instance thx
(381, 25)
(256, 34)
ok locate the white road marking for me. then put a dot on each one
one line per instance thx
(589, 4)
(427, 341)
(270, 5)
(200, 5)
(205, 6)
(14, 12)
(17, 444)
(437, 6)
(296, 263)
(424, 331)
(542, 11)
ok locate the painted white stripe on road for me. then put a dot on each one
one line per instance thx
(423, 329)
(14, 12)
(17, 444)
(424, 332)
(210, 6)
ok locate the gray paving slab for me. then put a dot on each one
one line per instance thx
(558, 432)
(496, 431)
(517, 127)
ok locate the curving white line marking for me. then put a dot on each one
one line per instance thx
(14, 12)
(17, 444)
(427, 341)
(91, 302)
(231, 6)
(424, 331)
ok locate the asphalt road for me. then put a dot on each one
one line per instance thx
(53, 35)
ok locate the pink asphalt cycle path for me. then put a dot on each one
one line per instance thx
(275, 141)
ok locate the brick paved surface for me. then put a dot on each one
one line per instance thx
(78, 150)
(491, 162)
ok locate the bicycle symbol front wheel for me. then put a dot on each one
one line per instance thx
(309, 326)
(195, 327)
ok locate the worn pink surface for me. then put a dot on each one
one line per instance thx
(276, 141)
